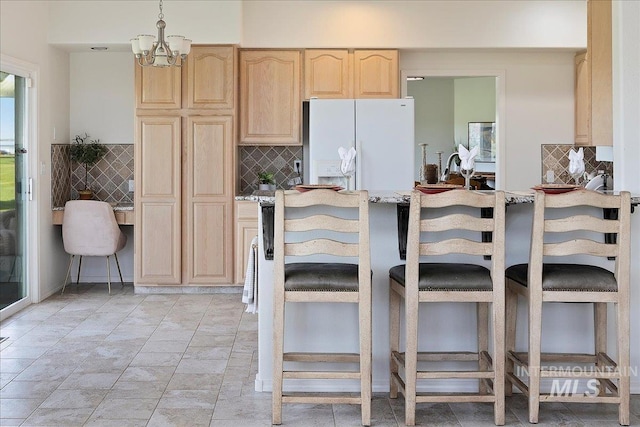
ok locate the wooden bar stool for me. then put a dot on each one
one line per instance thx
(560, 222)
(337, 226)
(449, 228)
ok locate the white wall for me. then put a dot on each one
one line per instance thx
(538, 97)
(23, 35)
(87, 23)
(102, 96)
(415, 24)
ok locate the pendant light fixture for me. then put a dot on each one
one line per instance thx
(160, 53)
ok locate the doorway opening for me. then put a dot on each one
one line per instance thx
(448, 103)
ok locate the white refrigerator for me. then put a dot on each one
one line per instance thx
(381, 131)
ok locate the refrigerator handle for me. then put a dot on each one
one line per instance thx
(358, 147)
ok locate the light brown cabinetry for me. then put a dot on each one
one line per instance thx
(158, 201)
(209, 193)
(158, 88)
(338, 73)
(594, 88)
(328, 73)
(270, 97)
(246, 230)
(375, 74)
(184, 176)
(209, 77)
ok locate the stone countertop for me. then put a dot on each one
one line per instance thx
(116, 207)
(511, 197)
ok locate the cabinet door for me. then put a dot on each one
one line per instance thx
(327, 74)
(157, 201)
(209, 200)
(375, 74)
(210, 77)
(270, 97)
(246, 230)
(158, 87)
(599, 58)
(582, 100)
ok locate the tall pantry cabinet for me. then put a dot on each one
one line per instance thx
(184, 174)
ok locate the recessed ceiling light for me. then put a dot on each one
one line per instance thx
(412, 78)
(99, 48)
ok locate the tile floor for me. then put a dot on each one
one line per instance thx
(87, 359)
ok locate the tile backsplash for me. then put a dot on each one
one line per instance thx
(555, 157)
(109, 178)
(278, 160)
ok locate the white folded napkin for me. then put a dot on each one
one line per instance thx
(576, 163)
(348, 157)
(467, 158)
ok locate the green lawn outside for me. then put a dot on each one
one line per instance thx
(7, 182)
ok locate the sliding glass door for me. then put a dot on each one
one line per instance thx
(13, 189)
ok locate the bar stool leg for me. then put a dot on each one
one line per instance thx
(624, 386)
(511, 307)
(411, 360)
(499, 360)
(482, 314)
(278, 355)
(535, 331)
(600, 335)
(364, 313)
(394, 338)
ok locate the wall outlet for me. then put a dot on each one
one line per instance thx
(551, 177)
(297, 166)
(131, 186)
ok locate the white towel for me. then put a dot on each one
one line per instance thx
(250, 291)
(467, 158)
(576, 163)
(348, 157)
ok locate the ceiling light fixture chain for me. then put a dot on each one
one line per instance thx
(159, 53)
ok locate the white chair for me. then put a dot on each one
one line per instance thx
(89, 228)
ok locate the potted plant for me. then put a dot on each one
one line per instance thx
(86, 152)
(266, 181)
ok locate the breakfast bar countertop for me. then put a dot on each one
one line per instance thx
(511, 197)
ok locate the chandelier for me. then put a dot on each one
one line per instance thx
(158, 53)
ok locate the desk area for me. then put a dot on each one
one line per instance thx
(125, 215)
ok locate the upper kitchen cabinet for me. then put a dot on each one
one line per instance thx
(209, 77)
(158, 87)
(270, 97)
(327, 74)
(593, 79)
(375, 74)
(338, 73)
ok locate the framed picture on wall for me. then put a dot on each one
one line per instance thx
(482, 134)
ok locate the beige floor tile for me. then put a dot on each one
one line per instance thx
(74, 399)
(125, 409)
(195, 382)
(179, 417)
(201, 366)
(156, 359)
(55, 417)
(148, 373)
(184, 399)
(99, 381)
(18, 408)
(28, 389)
(135, 389)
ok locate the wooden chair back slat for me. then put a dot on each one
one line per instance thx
(581, 222)
(325, 222)
(321, 246)
(580, 246)
(456, 246)
(456, 221)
